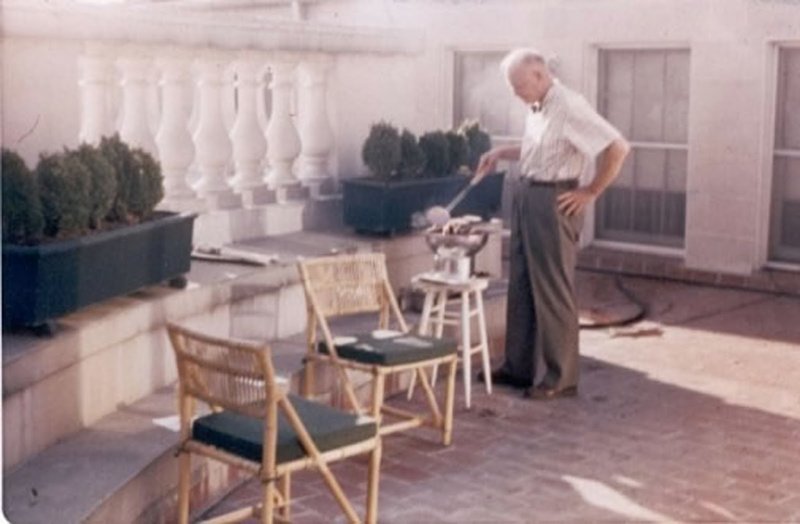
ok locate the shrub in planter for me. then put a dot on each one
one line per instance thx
(64, 184)
(478, 140)
(103, 186)
(382, 150)
(459, 151)
(66, 268)
(412, 157)
(436, 148)
(139, 181)
(23, 222)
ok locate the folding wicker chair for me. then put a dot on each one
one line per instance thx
(255, 425)
(337, 286)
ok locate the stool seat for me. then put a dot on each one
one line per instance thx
(439, 293)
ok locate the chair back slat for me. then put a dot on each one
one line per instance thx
(233, 375)
(345, 284)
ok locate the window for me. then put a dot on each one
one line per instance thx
(481, 93)
(785, 210)
(645, 94)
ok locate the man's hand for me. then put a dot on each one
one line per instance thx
(573, 202)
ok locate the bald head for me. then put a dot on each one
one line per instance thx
(527, 74)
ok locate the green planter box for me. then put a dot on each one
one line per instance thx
(42, 283)
(380, 207)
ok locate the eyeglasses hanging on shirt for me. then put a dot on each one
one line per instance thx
(536, 107)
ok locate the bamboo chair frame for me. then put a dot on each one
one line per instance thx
(239, 376)
(358, 283)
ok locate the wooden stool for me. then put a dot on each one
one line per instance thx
(435, 315)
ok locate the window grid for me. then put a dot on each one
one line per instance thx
(644, 93)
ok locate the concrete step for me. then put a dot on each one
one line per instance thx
(124, 464)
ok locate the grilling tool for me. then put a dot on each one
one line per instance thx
(439, 216)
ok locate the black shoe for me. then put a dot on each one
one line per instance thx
(501, 377)
(545, 393)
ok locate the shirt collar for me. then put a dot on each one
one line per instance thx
(548, 97)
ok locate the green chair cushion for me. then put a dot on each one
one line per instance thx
(243, 435)
(390, 348)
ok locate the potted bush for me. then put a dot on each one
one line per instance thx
(82, 228)
(408, 176)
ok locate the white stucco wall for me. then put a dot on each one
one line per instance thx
(731, 105)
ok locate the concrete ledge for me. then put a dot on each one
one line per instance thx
(53, 387)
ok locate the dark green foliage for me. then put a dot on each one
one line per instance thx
(22, 210)
(436, 148)
(412, 158)
(103, 186)
(119, 155)
(459, 151)
(139, 181)
(478, 140)
(64, 185)
(382, 150)
(147, 185)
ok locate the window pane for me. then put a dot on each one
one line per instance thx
(676, 97)
(648, 97)
(617, 102)
(787, 132)
(650, 165)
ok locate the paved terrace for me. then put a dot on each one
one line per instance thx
(692, 415)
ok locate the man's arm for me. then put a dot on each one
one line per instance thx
(611, 159)
(488, 161)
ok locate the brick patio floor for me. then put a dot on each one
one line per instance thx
(692, 415)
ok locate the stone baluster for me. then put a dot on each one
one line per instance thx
(96, 74)
(283, 142)
(247, 135)
(211, 139)
(174, 141)
(134, 127)
(315, 129)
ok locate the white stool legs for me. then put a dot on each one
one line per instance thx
(435, 315)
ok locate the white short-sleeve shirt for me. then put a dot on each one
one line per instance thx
(563, 136)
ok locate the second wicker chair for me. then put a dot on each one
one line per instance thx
(337, 286)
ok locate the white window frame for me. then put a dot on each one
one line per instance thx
(590, 90)
(767, 174)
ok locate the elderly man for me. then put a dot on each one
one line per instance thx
(563, 134)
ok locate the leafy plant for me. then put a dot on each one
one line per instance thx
(22, 210)
(139, 181)
(478, 140)
(382, 150)
(436, 148)
(147, 185)
(459, 151)
(412, 157)
(103, 187)
(64, 185)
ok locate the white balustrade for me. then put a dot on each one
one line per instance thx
(96, 74)
(315, 129)
(199, 138)
(212, 143)
(175, 147)
(134, 127)
(283, 142)
(247, 136)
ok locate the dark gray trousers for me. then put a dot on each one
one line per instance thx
(542, 317)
